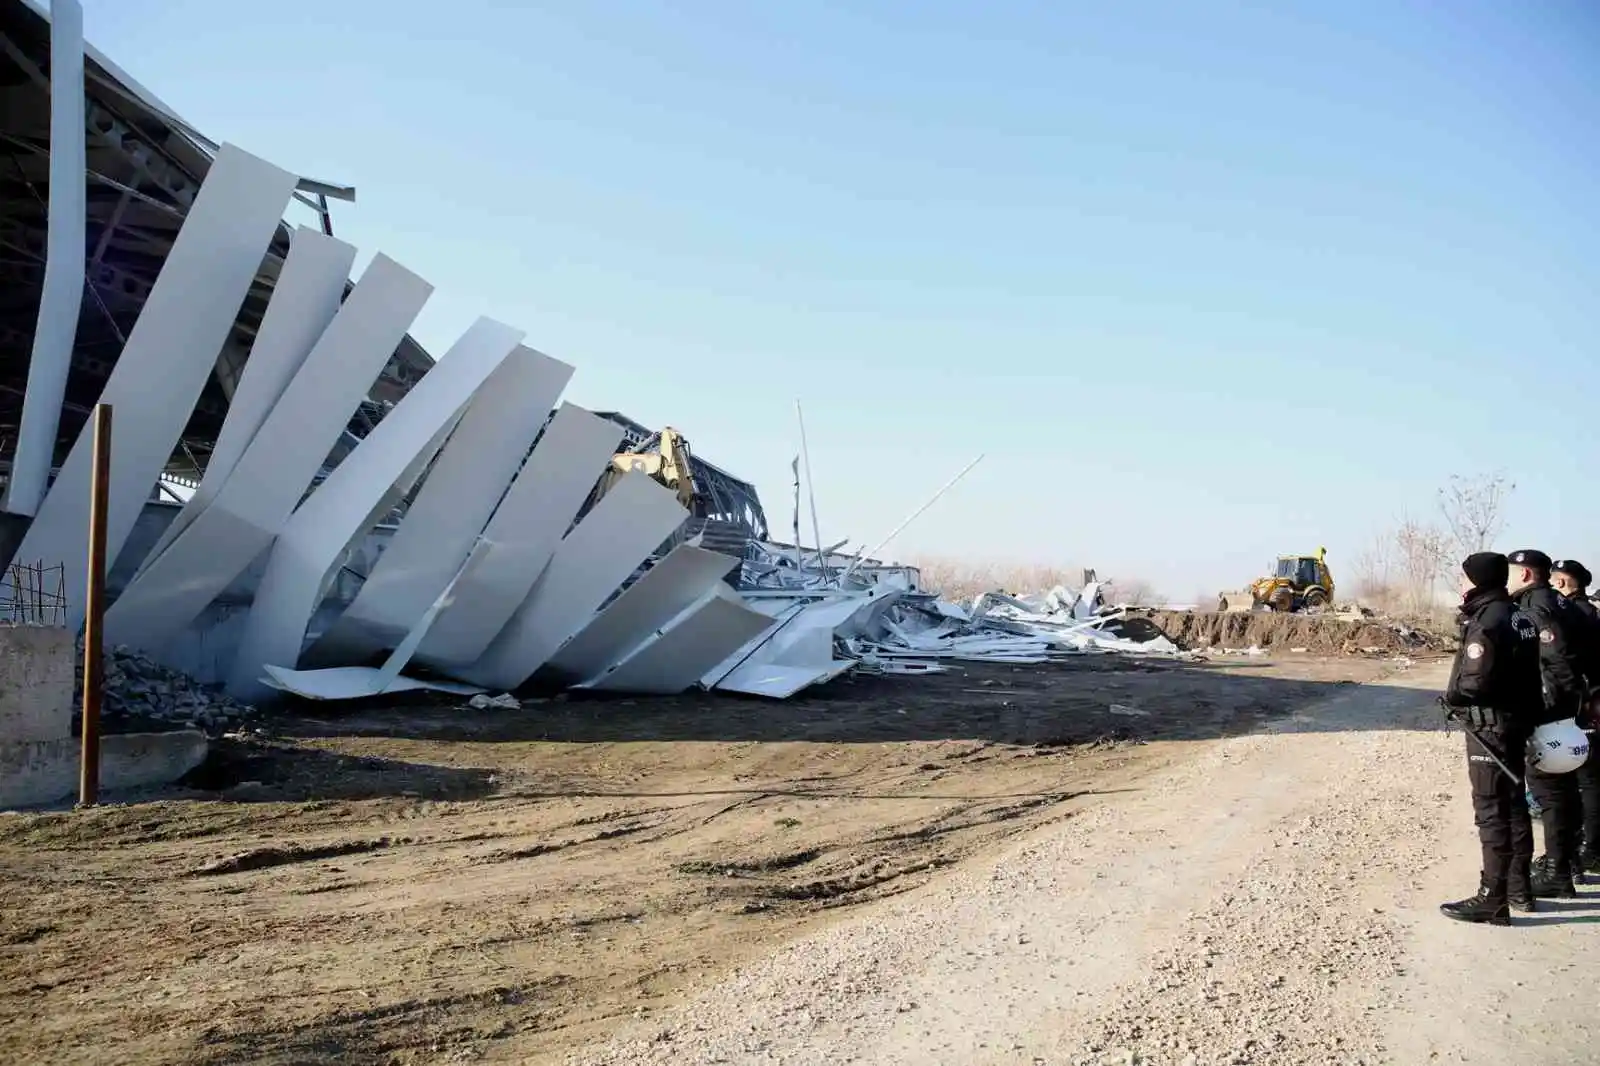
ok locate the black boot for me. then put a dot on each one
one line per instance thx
(1519, 893)
(1589, 860)
(1554, 881)
(1488, 907)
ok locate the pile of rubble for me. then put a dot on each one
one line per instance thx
(140, 691)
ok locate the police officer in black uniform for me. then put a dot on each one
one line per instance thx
(1571, 579)
(1561, 636)
(1494, 691)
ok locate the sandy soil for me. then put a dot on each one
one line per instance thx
(433, 885)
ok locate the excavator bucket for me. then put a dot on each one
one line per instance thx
(1231, 602)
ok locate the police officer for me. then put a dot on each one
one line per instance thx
(1494, 692)
(1561, 632)
(1571, 579)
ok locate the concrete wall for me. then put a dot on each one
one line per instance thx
(36, 681)
(46, 771)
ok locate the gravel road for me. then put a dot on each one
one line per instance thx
(1271, 901)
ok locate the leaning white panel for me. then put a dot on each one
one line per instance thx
(460, 494)
(353, 682)
(669, 588)
(537, 511)
(592, 562)
(344, 506)
(696, 641)
(166, 361)
(268, 481)
(304, 300)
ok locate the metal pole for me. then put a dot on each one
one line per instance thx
(95, 609)
(946, 487)
(811, 492)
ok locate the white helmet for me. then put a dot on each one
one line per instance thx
(1558, 747)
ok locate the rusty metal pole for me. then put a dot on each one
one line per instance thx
(94, 667)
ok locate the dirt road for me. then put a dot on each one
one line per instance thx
(1272, 901)
(1002, 865)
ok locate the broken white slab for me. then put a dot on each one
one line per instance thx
(442, 524)
(675, 657)
(667, 589)
(168, 357)
(535, 514)
(269, 479)
(304, 300)
(795, 654)
(345, 506)
(354, 682)
(592, 562)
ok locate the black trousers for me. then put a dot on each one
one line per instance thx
(1561, 812)
(1505, 829)
(1589, 790)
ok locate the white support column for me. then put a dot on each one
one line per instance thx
(65, 241)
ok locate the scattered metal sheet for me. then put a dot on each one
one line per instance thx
(536, 512)
(802, 642)
(346, 505)
(675, 658)
(304, 300)
(166, 361)
(353, 682)
(272, 475)
(443, 522)
(779, 682)
(592, 562)
(673, 585)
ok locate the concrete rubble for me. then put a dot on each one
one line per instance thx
(139, 689)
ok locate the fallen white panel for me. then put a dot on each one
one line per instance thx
(272, 475)
(665, 591)
(778, 682)
(61, 299)
(344, 507)
(535, 514)
(592, 562)
(304, 301)
(166, 361)
(353, 682)
(443, 522)
(674, 659)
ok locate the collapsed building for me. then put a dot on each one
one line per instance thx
(298, 502)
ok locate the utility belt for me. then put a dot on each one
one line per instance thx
(1479, 719)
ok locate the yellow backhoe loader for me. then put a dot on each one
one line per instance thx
(670, 466)
(1301, 582)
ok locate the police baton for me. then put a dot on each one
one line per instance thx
(1453, 714)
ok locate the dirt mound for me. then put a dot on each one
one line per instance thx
(1315, 634)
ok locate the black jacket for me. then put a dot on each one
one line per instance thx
(1561, 650)
(1588, 619)
(1497, 664)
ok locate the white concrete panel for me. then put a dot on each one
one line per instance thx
(272, 475)
(535, 514)
(353, 682)
(668, 589)
(778, 682)
(304, 301)
(345, 505)
(443, 522)
(165, 363)
(797, 653)
(61, 300)
(697, 640)
(591, 563)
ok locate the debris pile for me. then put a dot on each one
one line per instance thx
(140, 690)
(1316, 634)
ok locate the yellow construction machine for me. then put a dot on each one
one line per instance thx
(669, 465)
(1301, 582)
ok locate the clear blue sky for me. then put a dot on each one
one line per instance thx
(1206, 281)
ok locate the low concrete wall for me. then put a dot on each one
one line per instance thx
(36, 678)
(46, 771)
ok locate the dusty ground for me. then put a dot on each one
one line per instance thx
(428, 885)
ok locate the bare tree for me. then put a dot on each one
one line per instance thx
(1374, 572)
(1422, 555)
(1132, 591)
(1474, 511)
